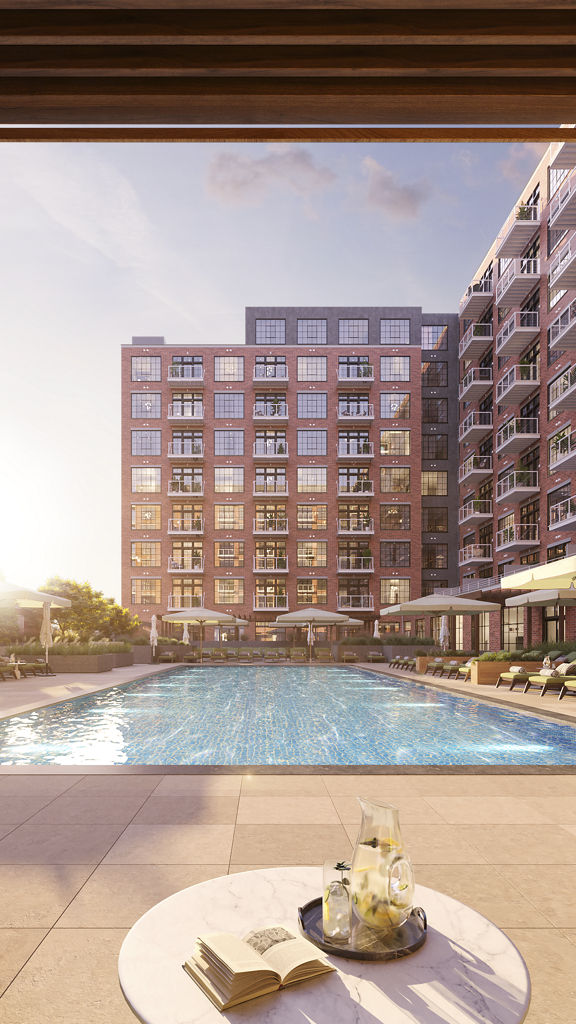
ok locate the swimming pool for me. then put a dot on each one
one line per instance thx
(250, 715)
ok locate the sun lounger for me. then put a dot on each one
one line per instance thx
(568, 688)
(349, 656)
(465, 670)
(298, 654)
(516, 674)
(323, 654)
(376, 656)
(166, 656)
(547, 682)
(449, 669)
(435, 666)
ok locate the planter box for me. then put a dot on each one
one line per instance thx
(82, 662)
(123, 658)
(422, 662)
(141, 654)
(485, 673)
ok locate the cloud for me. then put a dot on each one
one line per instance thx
(245, 180)
(521, 160)
(396, 199)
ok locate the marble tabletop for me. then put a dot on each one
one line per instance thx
(467, 972)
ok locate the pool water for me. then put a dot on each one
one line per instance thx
(249, 715)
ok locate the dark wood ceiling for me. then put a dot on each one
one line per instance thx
(314, 70)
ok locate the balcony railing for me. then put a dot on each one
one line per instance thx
(563, 515)
(355, 412)
(475, 383)
(475, 467)
(518, 433)
(563, 206)
(264, 372)
(562, 272)
(187, 411)
(179, 602)
(185, 449)
(517, 536)
(186, 524)
(475, 554)
(517, 332)
(562, 452)
(476, 297)
(476, 510)
(189, 373)
(186, 487)
(365, 487)
(270, 563)
(362, 372)
(270, 487)
(475, 340)
(562, 332)
(517, 281)
(270, 602)
(270, 411)
(264, 525)
(355, 563)
(355, 449)
(517, 484)
(474, 426)
(522, 224)
(562, 394)
(353, 524)
(355, 602)
(270, 449)
(188, 563)
(517, 383)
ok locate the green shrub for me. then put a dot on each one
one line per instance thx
(70, 650)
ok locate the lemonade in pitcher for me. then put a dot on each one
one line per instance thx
(382, 879)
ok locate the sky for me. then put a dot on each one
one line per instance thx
(105, 241)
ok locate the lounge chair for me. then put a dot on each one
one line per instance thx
(408, 664)
(191, 657)
(449, 669)
(435, 666)
(515, 674)
(376, 656)
(282, 654)
(166, 656)
(298, 654)
(350, 656)
(568, 688)
(551, 679)
(323, 654)
(465, 670)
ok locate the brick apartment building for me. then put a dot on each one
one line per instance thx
(316, 463)
(517, 428)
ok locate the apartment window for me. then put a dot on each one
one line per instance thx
(187, 367)
(394, 332)
(312, 367)
(229, 406)
(312, 405)
(228, 368)
(186, 480)
(229, 554)
(394, 517)
(311, 478)
(395, 479)
(435, 337)
(435, 519)
(146, 591)
(146, 406)
(312, 442)
(311, 517)
(394, 590)
(435, 375)
(187, 442)
(270, 332)
(186, 403)
(228, 517)
(434, 410)
(228, 479)
(394, 368)
(270, 368)
(312, 332)
(312, 554)
(394, 442)
(394, 553)
(555, 552)
(146, 442)
(435, 446)
(146, 554)
(228, 442)
(147, 368)
(434, 556)
(146, 479)
(187, 515)
(434, 482)
(229, 591)
(311, 592)
(352, 332)
(146, 517)
(270, 479)
(395, 406)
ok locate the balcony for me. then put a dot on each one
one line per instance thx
(563, 206)
(355, 603)
(355, 563)
(517, 434)
(518, 331)
(275, 411)
(188, 374)
(360, 374)
(517, 281)
(270, 489)
(518, 230)
(475, 554)
(270, 602)
(563, 452)
(475, 467)
(475, 340)
(188, 563)
(270, 449)
(517, 384)
(186, 524)
(186, 411)
(563, 391)
(363, 487)
(348, 413)
(263, 374)
(517, 537)
(270, 563)
(185, 449)
(475, 383)
(476, 298)
(353, 525)
(562, 331)
(274, 526)
(475, 426)
(563, 515)
(563, 155)
(179, 488)
(562, 272)
(517, 485)
(179, 602)
(476, 510)
(355, 449)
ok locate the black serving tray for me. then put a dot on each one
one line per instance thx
(365, 943)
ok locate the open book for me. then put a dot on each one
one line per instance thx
(232, 970)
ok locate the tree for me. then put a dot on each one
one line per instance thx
(91, 615)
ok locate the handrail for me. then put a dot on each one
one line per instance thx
(521, 478)
(483, 331)
(562, 512)
(528, 373)
(186, 448)
(355, 525)
(522, 318)
(564, 256)
(516, 426)
(517, 532)
(484, 286)
(565, 320)
(358, 563)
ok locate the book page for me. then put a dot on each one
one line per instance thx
(283, 952)
(236, 955)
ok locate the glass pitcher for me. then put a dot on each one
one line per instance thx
(382, 879)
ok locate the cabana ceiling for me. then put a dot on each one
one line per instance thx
(334, 70)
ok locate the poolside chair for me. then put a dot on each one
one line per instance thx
(282, 654)
(550, 679)
(349, 656)
(449, 669)
(191, 657)
(376, 656)
(435, 666)
(323, 654)
(465, 670)
(298, 654)
(515, 674)
(568, 688)
(408, 664)
(166, 656)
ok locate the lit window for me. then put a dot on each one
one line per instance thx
(228, 517)
(312, 517)
(394, 517)
(146, 591)
(311, 478)
(312, 554)
(228, 479)
(146, 479)
(312, 367)
(229, 591)
(146, 517)
(395, 479)
(394, 590)
(394, 442)
(146, 554)
(434, 482)
(311, 592)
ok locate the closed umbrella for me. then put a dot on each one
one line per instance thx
(46, 633)
(185, 634)
(153, 634)
(444, 633)
(25, 597)
(376, 633)
(201, 617)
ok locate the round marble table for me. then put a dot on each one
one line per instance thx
(467, 972)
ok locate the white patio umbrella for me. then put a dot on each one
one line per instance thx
(311, 617)
(437, 604)
(444, 636)
(153, 634)
(376, 633)
(201, 617)
(185, 634)
(25, 597)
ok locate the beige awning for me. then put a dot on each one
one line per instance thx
(553, 575)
